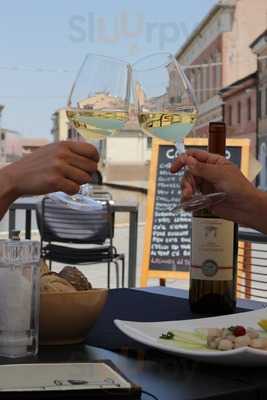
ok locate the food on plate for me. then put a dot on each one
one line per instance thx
(76, 278)
(221, 339)
(234, 337)
(263, 324)
(195, 340)
(52, 282)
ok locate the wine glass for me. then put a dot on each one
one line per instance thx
(97, 107)
(167, 108)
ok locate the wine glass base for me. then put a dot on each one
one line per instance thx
(200, 201)
(77, 201)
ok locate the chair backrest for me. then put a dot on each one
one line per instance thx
(59, 223)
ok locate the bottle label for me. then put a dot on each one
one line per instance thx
(212, 249)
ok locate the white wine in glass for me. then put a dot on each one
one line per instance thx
(96, 124)
(168, 125)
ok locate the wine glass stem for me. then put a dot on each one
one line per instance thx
(86, 189)
(180, 148)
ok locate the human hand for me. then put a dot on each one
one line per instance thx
(62, 166)
(222, 176)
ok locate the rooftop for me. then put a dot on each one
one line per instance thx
(261, 37)
(237, 85)
(34, 142)
(222, 4)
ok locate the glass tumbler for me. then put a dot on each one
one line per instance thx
(19, 297)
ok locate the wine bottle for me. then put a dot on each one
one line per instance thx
(214, 251)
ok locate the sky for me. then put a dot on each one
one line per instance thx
(43, 43)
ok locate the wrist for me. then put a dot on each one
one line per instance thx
(9, 190)
(258, 211)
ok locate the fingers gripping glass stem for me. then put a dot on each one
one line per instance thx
(198, 200)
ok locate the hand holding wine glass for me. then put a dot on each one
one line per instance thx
(57, 166)
(242, 199)
(167, 109)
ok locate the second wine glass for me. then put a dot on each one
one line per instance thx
(167, 108)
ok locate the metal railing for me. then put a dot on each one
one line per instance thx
(252, 265)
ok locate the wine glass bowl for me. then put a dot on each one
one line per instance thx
(97, 108)
(165, 104)
(164, 99)
(99, 99)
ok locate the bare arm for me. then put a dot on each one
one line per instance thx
(7, 194)
(60, 166)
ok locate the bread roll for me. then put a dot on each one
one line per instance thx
(76, 278)
(51, 282)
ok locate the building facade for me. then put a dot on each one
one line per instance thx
(29, 145)
(240, 109)
(217, 53)
(1, 110)
(13, 145)
(10, 146)
(259, 47)
(10, 143)
(126, 158)
(60, 125)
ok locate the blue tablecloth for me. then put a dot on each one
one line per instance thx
(135, 305)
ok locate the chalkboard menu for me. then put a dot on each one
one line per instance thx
(167, 244)
(171, 233)
(234, 154)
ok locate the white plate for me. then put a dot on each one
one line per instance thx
(149, 332)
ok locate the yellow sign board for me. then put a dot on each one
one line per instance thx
(168, 236)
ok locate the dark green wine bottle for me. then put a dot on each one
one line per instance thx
(214, 251)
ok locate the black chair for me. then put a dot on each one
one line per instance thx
(60, 226)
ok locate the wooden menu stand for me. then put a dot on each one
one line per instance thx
(167, 236)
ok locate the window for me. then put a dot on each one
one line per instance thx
(213, 76)
(230, 115)
(266, 102)
(239, 112)
(172, 76)
(198, 85)
(260, 104)
(70, 133)
(149, 142)
(218, 71)
(249, 108)
(263, 159)
(3, 136)
(193, 79)
(201, 86)
(207, 85)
